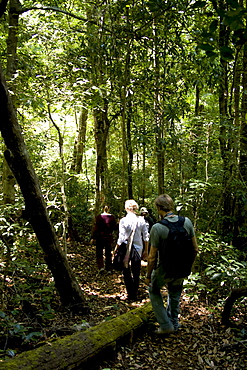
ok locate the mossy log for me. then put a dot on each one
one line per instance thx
(235, 294)
(81, 349)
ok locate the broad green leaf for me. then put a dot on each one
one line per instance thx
(213, 26)
(198, 4)
(206, 47)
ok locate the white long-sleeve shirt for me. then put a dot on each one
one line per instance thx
(126, 226)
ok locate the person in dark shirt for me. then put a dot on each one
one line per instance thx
(105, 224)
(149, 221)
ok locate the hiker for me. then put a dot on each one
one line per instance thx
(149, 221)
(105, 224)
(159, 273)
(132, 226)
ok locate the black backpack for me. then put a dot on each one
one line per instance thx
(177, 255)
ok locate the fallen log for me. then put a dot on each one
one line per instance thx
(85, 347)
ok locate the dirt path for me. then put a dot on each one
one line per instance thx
(201, 343)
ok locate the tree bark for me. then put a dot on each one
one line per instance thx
(79, 143)
(101, 129)
(235, 294)
(81, 350)
(159, 121)
(21, 166)
(227, 132)
(12, 40)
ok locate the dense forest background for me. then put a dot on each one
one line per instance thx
(122, 99)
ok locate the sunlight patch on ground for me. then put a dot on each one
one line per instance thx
(74, 255)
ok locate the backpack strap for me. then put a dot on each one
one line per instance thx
(167, 223)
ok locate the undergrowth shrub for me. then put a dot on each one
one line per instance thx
(28, 294)
(219, 268)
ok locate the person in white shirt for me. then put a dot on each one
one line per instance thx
(132, 268)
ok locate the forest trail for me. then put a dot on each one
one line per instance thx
(201, 343)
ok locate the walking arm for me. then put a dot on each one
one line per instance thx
(152, 258)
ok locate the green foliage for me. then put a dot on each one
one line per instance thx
(158, 67)
(193, 286)
(28, 290)
(79, 195)
(12, 330)
(221, 269)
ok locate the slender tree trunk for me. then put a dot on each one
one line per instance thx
(65, 222)
(241, 217)
(130, 151)
(159, 123)
(243, 136)
(14, 8)
(79, 142)
(127, 109)
(124, 192)
(101, 129)
(36, 212)
(144, 173)
(226, 133)
(194, 134)
(97, 60)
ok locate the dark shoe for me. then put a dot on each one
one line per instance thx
(176, 327)
(132, 298)
(160, 331)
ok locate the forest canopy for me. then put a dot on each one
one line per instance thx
(132, 99)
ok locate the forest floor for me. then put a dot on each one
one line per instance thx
(201, 343)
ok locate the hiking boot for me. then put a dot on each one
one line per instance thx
(161, 331)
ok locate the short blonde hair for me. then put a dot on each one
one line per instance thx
(131, 205)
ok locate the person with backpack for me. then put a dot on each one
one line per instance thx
(172, 253)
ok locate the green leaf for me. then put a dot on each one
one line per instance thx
(199, 4)
(233, 3)
(213, 26)
(10, 353)
(216, 276)
(211, 54)
(226, 53)
(2, 314)
(33, 334)
(206, 47)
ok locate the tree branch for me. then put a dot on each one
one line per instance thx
(58, 10)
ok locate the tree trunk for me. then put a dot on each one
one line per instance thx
(130, 151)
(226, 133)
(83, 349)
(14, 8)
(159, 122)
(79, 143)
(235, 294)
(126, 102)
(101, 129)
(65, 222)
(243, 138)
(241, 209)
(21, 166)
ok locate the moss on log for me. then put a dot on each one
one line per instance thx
(82, 348)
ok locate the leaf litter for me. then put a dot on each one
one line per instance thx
(201, 343)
